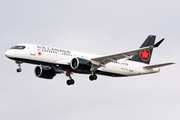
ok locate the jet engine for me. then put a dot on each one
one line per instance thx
(44, 72)
(80, 64)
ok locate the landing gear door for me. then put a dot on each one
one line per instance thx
(33, 50)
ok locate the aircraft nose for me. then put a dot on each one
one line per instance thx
(8, 53)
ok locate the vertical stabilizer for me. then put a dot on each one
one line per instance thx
(145, 56)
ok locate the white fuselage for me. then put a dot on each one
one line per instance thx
(56, 56)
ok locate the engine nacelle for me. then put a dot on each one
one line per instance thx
(44, 72)
(80, 64)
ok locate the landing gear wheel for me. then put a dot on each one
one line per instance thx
(19, 70)
(19, 64)
(93, 77)
(70, 82)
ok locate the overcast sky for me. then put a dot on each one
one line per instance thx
(92, 26)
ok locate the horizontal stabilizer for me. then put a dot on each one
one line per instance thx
(158, 65)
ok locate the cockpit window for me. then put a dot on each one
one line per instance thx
(18, 47)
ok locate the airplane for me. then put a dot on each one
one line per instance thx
(51, 61)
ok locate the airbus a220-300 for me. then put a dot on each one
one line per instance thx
(51, 61)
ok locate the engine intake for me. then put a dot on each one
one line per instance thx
(80, 64)
(44, 72)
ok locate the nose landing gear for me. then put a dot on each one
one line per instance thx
(19, 64)
(70, 81)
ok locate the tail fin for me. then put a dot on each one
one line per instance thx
(145, 56)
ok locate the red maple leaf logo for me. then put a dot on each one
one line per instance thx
(145, 55)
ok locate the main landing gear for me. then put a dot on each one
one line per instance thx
(93, 76)
(70, 81)
(19, 64)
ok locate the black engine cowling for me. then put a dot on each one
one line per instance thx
(44, 72)
(80, 64)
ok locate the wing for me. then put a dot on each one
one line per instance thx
(101, 61)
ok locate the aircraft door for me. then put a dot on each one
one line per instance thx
(33, 50)
(131, 68)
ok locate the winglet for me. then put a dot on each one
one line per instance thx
(157, 44)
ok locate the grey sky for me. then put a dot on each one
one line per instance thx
(93, 26)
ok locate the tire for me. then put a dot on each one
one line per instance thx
(91, 77)
(70, 82)
(95, 77)
(18, 70)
